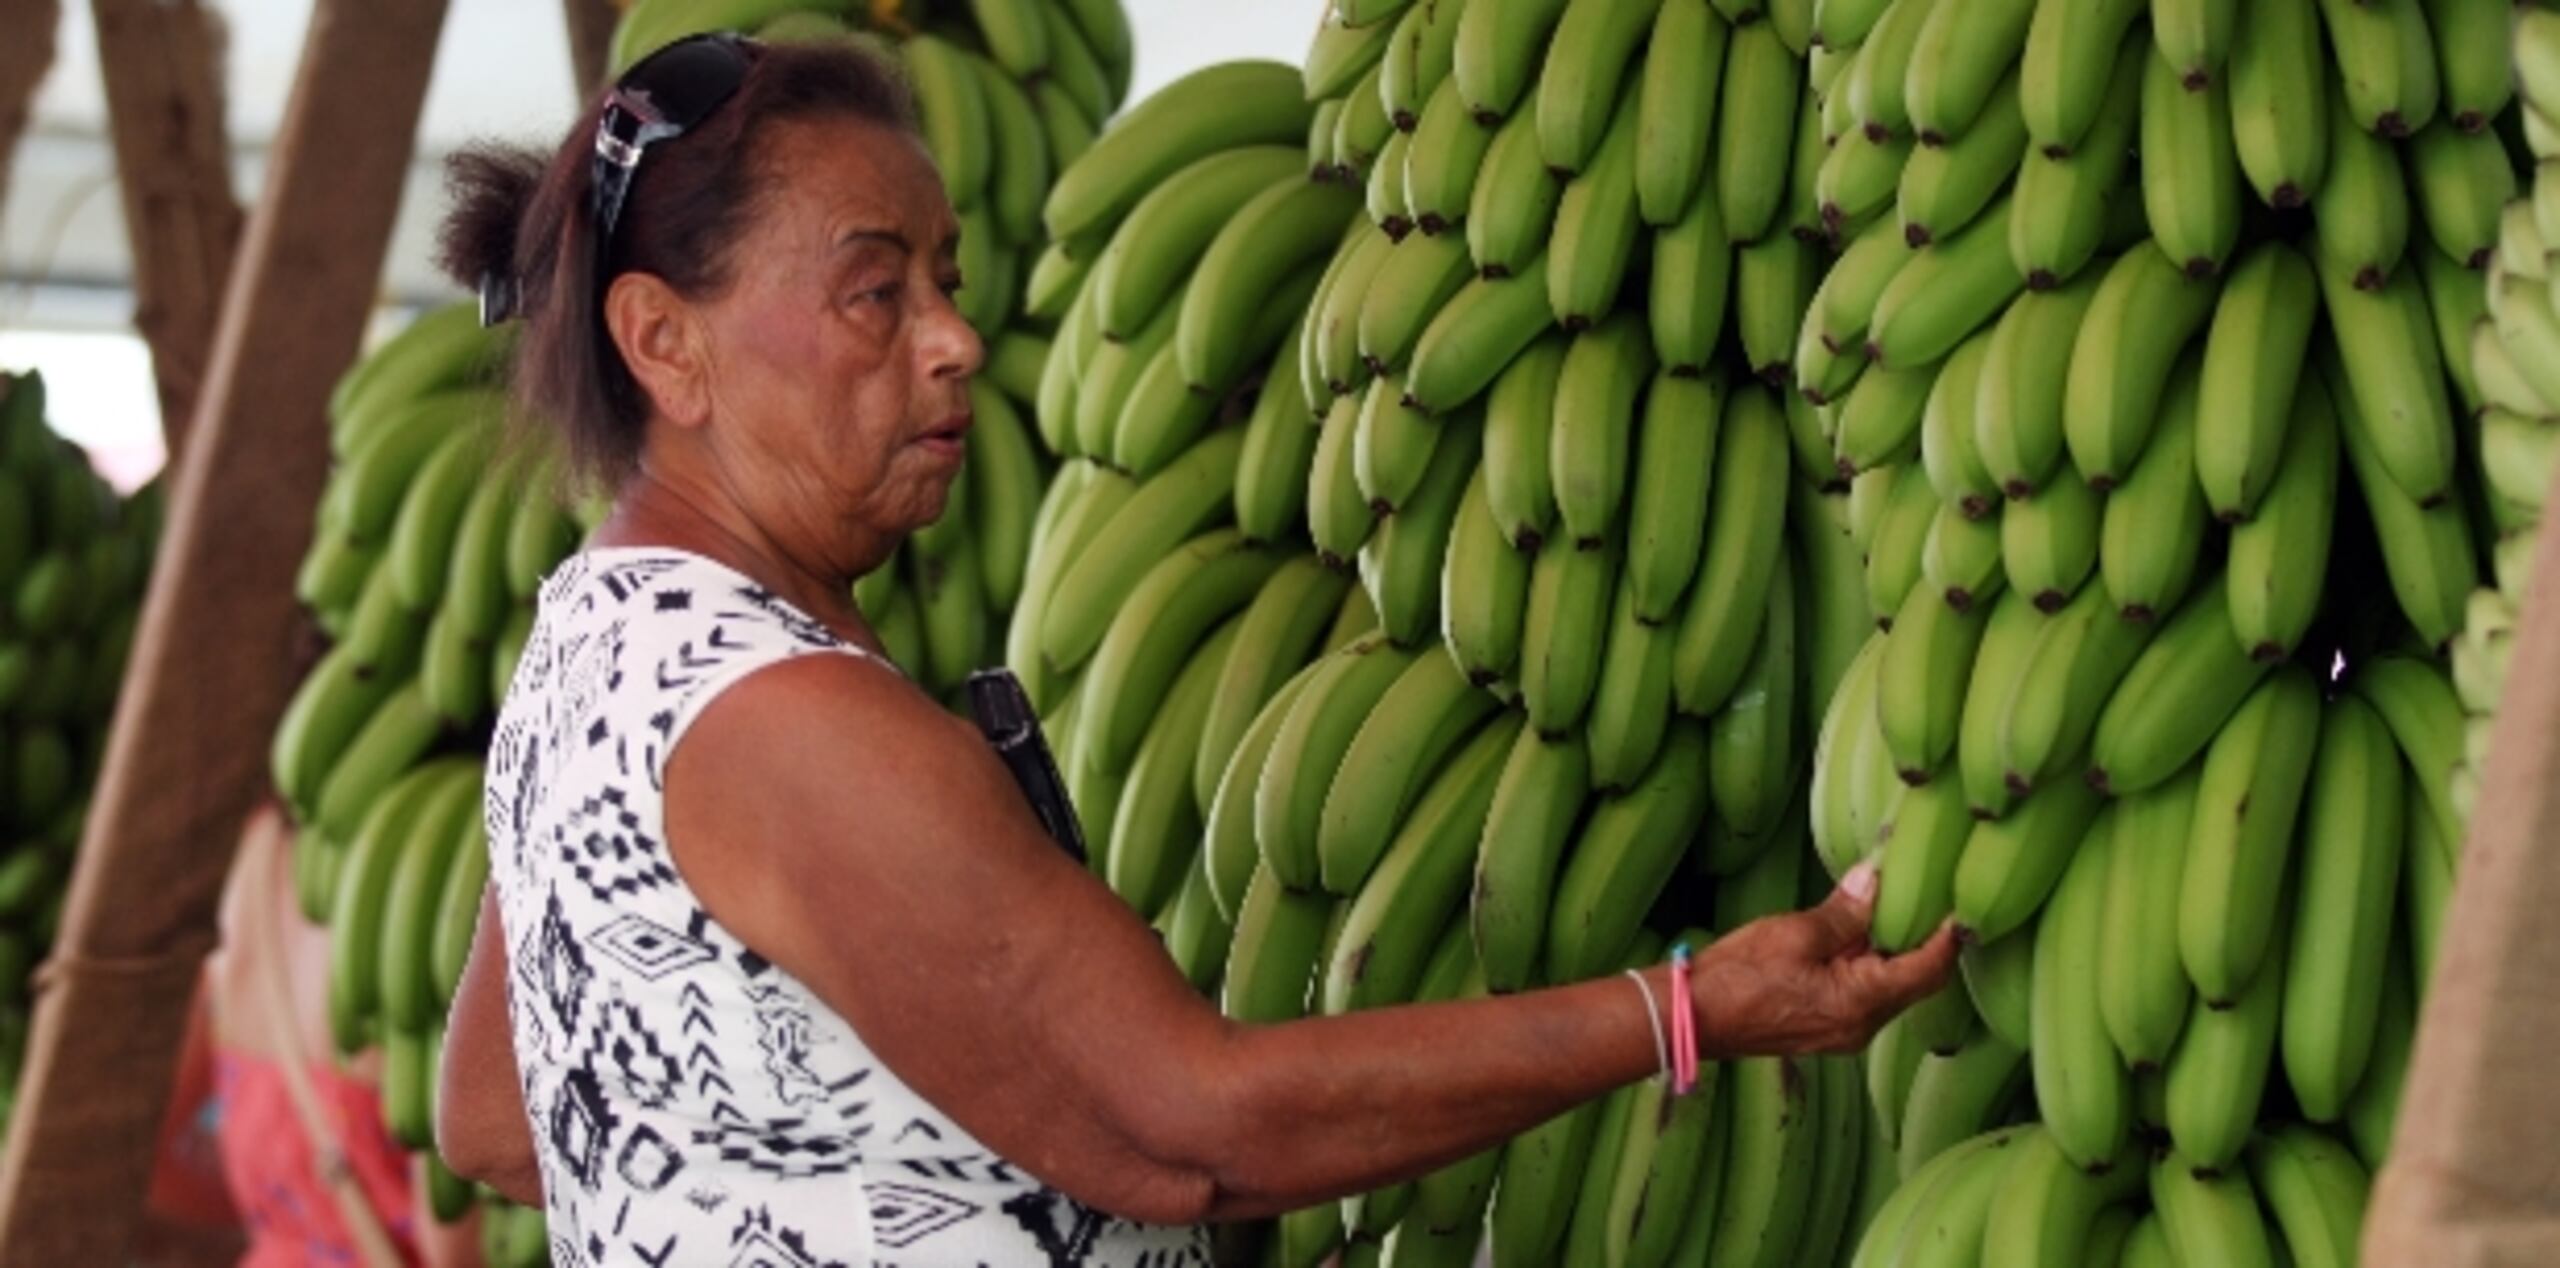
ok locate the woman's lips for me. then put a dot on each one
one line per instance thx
(947, 437)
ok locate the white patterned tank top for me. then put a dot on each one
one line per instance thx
(692, 1103)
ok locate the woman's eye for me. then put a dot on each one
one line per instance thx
(885, 294)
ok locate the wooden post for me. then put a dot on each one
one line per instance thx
(24, 58)
(2474, 1174)
(162, 61)
(212, 665)
(591, 24)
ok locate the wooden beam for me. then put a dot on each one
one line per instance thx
(24, 58)
(591, 24)
(212, 666)
(162, 61)
(2474, 1174)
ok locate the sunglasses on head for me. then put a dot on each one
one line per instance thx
(662, 97)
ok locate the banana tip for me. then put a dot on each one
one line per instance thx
(2097, 778)
(2392, 125)
(2196, 79)
(1917, 236)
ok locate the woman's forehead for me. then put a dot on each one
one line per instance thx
(854, 176)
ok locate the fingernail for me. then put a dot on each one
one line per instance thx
(1860, 882)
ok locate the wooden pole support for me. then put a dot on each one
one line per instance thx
(162, 62)
(212, 666)
(2474, 1174)
(591, 24)
(24, 58)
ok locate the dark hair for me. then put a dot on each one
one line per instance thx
(518, 214)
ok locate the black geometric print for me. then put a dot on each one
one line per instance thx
(695, 1103)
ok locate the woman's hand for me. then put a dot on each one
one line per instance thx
(1810, 981)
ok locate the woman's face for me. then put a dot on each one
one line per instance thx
(836, 367)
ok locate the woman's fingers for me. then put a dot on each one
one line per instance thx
(1840, 923)
(1894, 983)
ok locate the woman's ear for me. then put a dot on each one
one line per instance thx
(660, 340)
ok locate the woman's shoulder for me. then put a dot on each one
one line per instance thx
(672, 588)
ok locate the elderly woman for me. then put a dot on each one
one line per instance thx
(791, 973)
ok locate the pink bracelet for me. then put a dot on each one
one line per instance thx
(1684, 1025)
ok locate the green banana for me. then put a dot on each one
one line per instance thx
(1513, 206)
(1875, 87)
(2049, 543)
(1949, 1230)
(1965, 50)
(1756, 112)
(1673, 470)
(1882, 1242)
(1690, 282)
(2280, 100)
(1289, 225)
(1948, 290)
(1227, 847)
(2253, 361)
(2375, 1108)
(2315, 1190)
(2001, 662)
(1393, 924)
(1332, 338)
(1948, 452)
(1961, 560)
(2063, 199)
(1484, 590)
(1339, 518)
(1542, 1170)
(1915, 888)
(1955, 1098)
(2010, 865)
(2051, 1211)
(2463, 181)
(2124, 359)
(1278, 945)
(2386, 62)
(1928, 657)
(1477, 333)
(2415, 697)
(1308, 750)
(1217, 108)
(1392, 448)
(1424, 716)
(1561, 637)
(2473, 39)
(2217, 1078)
(1446, 157)
(2360, 214)
(1676, 108)
(2241, 844)
(1631, 703)
(1769, 1165)
(1586, 75)
(2082, 1090)
(1166, 232)
(1519, 420)
(1187, 594)
(2143, 994)
(1859, 179)
(1727, 597)
(1384, 187)
(1500, 52)
(2017, 428)
(2279, 560)
(2000, 980)
(2064, 82)
(1537, 802)
(1166, 509)
(2154, 526)
(2352, 834)
(1773, 282)
(1592, 243)
(1752, 741)
(2191, 169)
(2175, 698)
(2208, 1217)
(1626, 852)
(1946, 184)
(2427, 550)
(1593, 435)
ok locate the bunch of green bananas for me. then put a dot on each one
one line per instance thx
(2515, 423)
(73, 563)
(430, 544)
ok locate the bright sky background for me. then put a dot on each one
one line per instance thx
(502, 70)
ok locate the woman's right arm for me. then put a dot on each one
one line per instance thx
(481, 1126)
(856, 835)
